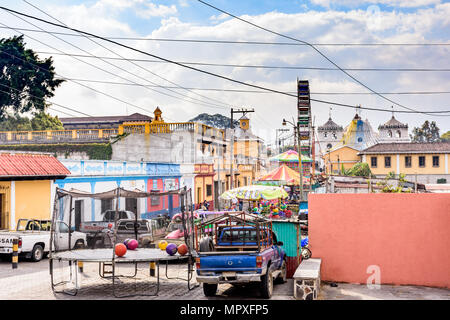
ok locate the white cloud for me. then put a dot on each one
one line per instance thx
(153, 10)
(391, 3)
(353, 26)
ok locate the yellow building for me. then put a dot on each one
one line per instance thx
(26, 186)
(340, 157)
(249, 156)
(428, 161)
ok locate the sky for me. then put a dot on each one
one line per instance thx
(321, 22)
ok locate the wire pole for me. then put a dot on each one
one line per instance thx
(233, 111)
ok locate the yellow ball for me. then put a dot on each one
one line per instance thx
(162, 244)
(275, 210)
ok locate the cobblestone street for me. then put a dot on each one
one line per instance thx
(31, 281)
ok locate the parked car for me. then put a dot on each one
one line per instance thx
(95, 229)
(34, 238)
(129, 229)
(237, 258)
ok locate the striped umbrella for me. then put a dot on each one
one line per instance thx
(290, 156)
(255, 192)
(284, 176)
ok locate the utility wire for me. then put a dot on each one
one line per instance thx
(97, 67)
(56, 104)
(255, 66)
(435, 113)
(317, 50)
(255, 91)
(206, 41)
(130, 61)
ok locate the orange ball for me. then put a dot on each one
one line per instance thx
(182, 249)
(120, 249)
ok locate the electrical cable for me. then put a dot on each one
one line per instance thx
(97, 67)
(256, 66)
(317, 50)
(434, 113)
(135, 64)
(206, 41)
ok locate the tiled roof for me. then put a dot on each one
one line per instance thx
(132, 117)
(31, 165)
(329, 125)
(409, 147)
(392, 124)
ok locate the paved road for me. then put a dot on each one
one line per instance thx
(32, 281)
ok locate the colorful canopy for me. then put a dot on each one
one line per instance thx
(289, 156)
(282, 175)
(255, 192)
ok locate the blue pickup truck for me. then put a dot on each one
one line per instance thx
(239, 256)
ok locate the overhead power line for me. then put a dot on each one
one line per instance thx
(211, 41)
(252, 66)
(435, 113)
(132, 62)
(317, 50)
(33, 96)
(104, 70)
(264, 92)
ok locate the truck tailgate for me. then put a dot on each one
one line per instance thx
(6, 242)
(228, 263)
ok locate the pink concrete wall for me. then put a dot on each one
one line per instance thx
(406, 235)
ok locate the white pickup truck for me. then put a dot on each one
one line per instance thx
(34, 238)
(94, 229)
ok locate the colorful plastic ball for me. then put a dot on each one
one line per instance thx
(275, 210)
(171, 249)
(276, 216)
(182, 249)
(132, 244)
(162, 244)
(255, 209)
(126, 241)
(120, 249)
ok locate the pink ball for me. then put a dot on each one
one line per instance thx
(132, 244)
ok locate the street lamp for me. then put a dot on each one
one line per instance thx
(285, 122)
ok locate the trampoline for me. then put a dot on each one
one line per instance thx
(106, 257)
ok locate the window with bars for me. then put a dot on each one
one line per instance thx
(422, 161)
(387, 162)
(373, 162)
(408, 162)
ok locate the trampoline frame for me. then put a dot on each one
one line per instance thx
(73, 258)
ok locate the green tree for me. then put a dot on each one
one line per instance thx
(360, 169)
(429, 132)
(25, 80)
(15, 123)
(446, 136)
(44, 121)
(388, 188)
(41, 121)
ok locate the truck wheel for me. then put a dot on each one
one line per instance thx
(210, 289)
(283, 275)
(79, 244)
(267, 285)
(37, 254)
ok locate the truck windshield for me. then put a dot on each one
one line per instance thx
(110, 215)
(241, 236)
(28, 225)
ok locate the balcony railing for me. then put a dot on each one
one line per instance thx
(97, 135)
(56, 136)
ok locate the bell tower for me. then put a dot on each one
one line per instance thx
(244, 123)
